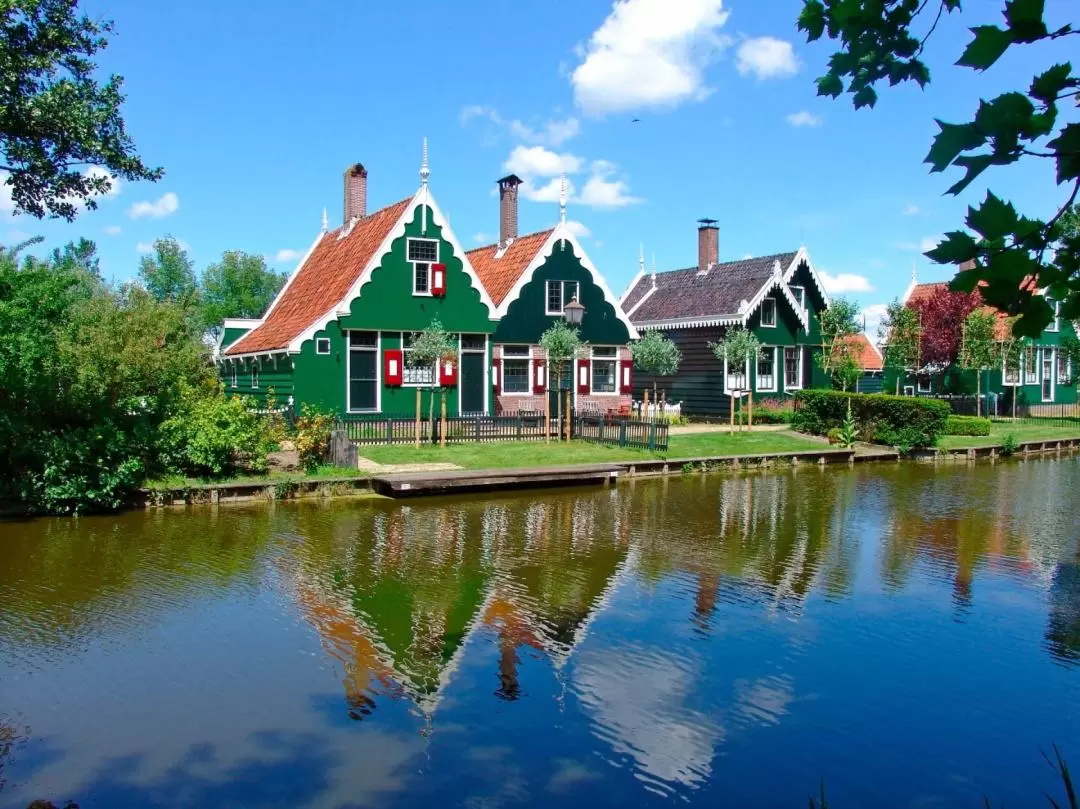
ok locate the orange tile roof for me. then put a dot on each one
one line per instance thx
(498, 275)
(323, 280)
(923, 292)
(864, 352)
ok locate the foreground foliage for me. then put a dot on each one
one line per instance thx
(904, 422)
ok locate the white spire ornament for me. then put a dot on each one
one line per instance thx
(641, 258)
(324, 225)
(562, 204)
(425, 172)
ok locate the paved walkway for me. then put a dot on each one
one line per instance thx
(688, 429)
(368, 465)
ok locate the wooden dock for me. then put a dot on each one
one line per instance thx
(473, 480)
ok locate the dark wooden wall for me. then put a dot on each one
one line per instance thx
(699, 385)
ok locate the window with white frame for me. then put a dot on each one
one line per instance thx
(255, 374)
(792, 367)
(766, 369)
(232, 375)
(322, 345)
(800, 295)
(559, 293)
(1055, 324)
(363, 371)
(1010, 372)
(603, 369)
(909, 390)
(923, 382)
(515, 369)
(736, 375)
(1064, 368)
(422, 253)
(414, 376)
(1031, 366)
(768, 312)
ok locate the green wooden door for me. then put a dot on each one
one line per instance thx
(471, 383)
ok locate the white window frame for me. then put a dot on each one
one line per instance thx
(320, 342)
(417, 293)
(799, 293)
(909, 390)
(919, 383)
(1044, 352)
(562, 295)
(728, 388)
(772, 324)
(1031, 370)
(517, 358)
(800, 352)
(232, 378)
(614, 360)
(1055, 324)
(377, 351)
(406, 368)
(1005, 381)
(757, 376)
(255, 374)
(1064, 368)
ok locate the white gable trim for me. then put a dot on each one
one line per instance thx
(250, 323)
(693, 322)
(341, 308)
(633, 283)
(776, 282)
(644, 298)
(800, 257)
(562, 233)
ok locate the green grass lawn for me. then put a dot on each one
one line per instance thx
(538, 453)
(999, 429)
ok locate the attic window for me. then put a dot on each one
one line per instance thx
(768, 312)
(800, 295)
(322, 345)
(422, 253)
(559, 293)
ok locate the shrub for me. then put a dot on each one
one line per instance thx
(967, 425)
(1009, 444)
(900, 421)
(210, 435)
(312, 440)
(770, 411)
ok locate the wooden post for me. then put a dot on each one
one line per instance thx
(442, 419)
(547, 416)
(663, 402)
(645, 405)
(418, 418)
(568, 416)
(978, 393)
(731, 412)
(750, 412)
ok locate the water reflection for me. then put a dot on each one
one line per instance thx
(675, 630)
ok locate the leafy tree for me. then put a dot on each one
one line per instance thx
(839, 323)
(899, 334)
(58, 123)
(429, 348)
(82, 253)
(168, 273)
(979, 351)
(847, 372)
(656, 355)
(240, 285)
(739, 347)
(561, 345)
(1011, 351)
(941, 320)
(879, 42)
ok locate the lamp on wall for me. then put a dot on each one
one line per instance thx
(574, 312)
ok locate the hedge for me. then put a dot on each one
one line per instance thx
(899, 421)
(967, 425)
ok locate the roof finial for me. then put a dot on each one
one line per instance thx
(424, 171)
(562, 199)
(914, 274)
(324, 225)
(641, 258)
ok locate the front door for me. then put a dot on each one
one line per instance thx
(471, 374)
(558, 384)
(1048, 375)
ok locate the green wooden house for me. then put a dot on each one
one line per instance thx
(1044, 379)
(531, 279)
(337, 336)
(777, 297)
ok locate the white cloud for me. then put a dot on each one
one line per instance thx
(579, 230)
(600, 192)
(483, 238)
(804, 118)
(7, 204)
(845, 282)
(552, 133)
(286, 254)
(536, 161)
(873, 315)
(924, 244)
(547, 191)
(112, 230)
(766, 58)
(167, 204)
(911, 210)
(649, 53)
(478, 111)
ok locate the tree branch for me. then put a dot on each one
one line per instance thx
(937, 19)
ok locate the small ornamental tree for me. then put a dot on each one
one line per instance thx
(428, 349)
(979, 351)
(941, 324)
(900, 337)
(739, 347)
(839, 323)
(655, 355)
(1011, 350)
(561, 345)
(847, 372)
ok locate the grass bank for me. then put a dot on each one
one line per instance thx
(1021, 432)
(322, 473)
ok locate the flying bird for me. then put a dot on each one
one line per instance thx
(635, 120)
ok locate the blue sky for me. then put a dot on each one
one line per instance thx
(254, 116)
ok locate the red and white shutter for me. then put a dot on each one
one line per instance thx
(539, 377)
(447, 373)
(496, 374)
(392, 366)
(626, 377)
(438, 279)
(583, 376)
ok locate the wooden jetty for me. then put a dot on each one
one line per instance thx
(416, 484)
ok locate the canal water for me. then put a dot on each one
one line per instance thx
(908, 636)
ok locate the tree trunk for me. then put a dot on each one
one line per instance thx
(558, 408)
(898, 384)
(547, 407)
(569, 416)
(431, 414)
(978, 392)
(442, 420)
(418, 405)
(663, 402)
(750, 412)
(645, 403)
(731, 413)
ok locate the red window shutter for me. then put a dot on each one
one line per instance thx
(496, 368)
(392, 371)
(626, 377)
(583, 376)
(438, 279)
(447, 373)
(539, 377)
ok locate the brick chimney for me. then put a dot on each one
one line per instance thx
(355, 193)
(708, 244)
(508, 208)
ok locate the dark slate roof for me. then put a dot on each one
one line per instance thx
(682, 294)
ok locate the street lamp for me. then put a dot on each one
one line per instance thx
(574, 312)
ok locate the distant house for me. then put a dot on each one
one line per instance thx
(778, 297)
(1045, 375)
(870, 361)
(337, 336)
(531, 279)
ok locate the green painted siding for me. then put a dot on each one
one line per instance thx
(275, 374)
(526, 320)
(386, 303)
(230, 336)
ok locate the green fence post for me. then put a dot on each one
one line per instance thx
(518, 426)
(652, 436)
(622, 433)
